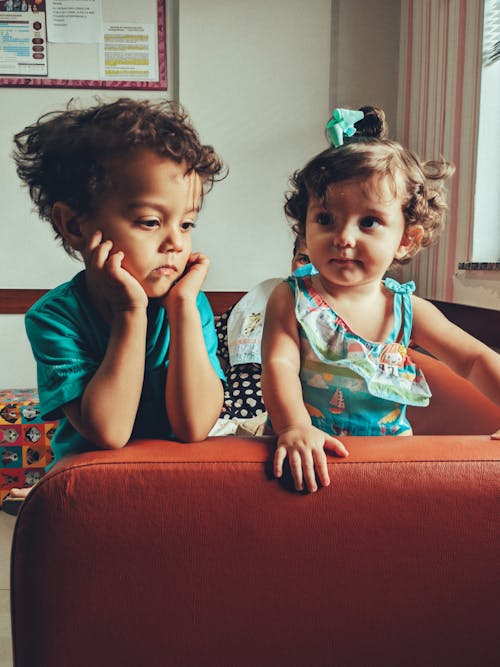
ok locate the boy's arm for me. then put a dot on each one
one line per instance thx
(282, 393)
(463, 353)
(194, 393)
(106, 412)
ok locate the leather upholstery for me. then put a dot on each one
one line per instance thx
(164, 554)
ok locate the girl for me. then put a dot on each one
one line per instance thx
(335, 344)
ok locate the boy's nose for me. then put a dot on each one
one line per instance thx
(172, 242)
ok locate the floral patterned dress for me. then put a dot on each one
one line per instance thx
(352, 386)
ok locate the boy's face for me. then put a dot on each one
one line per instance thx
(149, 216)
(300, 258)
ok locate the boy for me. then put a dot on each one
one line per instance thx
(127, 348)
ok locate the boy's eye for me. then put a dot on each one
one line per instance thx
(369, 223)
(150, 223)
(187, 225)
(324, 218)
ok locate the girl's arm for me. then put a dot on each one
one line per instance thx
(463, 353)
(194, 393)
(282, 393)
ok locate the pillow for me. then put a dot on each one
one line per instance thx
(242, 394)
(24, 440)
(221, 330)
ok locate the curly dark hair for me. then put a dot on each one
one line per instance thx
(366, 154)
(69, 155)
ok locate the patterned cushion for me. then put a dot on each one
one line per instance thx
(24, 439)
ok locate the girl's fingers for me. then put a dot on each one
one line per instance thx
(279, 458)
(496, 435)
(308, 461)
(335, 446)
(308, 472)
(296, 468)
(321, 466)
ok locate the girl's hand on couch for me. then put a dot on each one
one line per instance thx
(496, 435)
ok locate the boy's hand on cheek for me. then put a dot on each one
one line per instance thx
(191, 281)
(111, 286)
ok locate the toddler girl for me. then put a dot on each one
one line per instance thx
(335, 344)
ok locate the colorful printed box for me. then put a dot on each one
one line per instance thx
(24, 439)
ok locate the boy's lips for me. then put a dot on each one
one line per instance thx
(166, 270)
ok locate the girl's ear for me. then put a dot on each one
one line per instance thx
(68, 224)
(410, 243)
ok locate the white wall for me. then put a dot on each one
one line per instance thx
(30, 256)
(259, 79)
(365, 53)
(255, 78)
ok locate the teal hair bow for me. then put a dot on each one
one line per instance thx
(342, 124)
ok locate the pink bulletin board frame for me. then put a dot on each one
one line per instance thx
(161, 84)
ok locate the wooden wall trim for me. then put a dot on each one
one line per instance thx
(18, 301)
(221, 301)
(483, 323)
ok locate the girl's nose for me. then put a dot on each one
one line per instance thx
(344, 237)
(172, 241)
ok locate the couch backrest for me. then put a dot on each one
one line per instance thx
(456, 406)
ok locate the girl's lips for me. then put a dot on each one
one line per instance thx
(343, 260)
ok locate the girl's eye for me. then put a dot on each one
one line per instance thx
(324, 219)
(303, 259)
(369, 223)
(187, 225)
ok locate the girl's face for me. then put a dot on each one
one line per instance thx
(149, 216)
(355, 238)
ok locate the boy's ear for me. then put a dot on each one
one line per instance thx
(68, 224)
(410, 243)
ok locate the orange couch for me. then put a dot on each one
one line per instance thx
(164, 554)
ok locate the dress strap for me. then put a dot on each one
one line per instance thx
(305, 270)
(403, 310)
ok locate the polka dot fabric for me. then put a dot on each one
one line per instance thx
(243, 395)
(221, 329)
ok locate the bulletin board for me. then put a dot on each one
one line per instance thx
(83, 44)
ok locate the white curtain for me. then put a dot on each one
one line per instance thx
(438, 112)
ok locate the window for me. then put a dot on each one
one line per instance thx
(486, 234)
